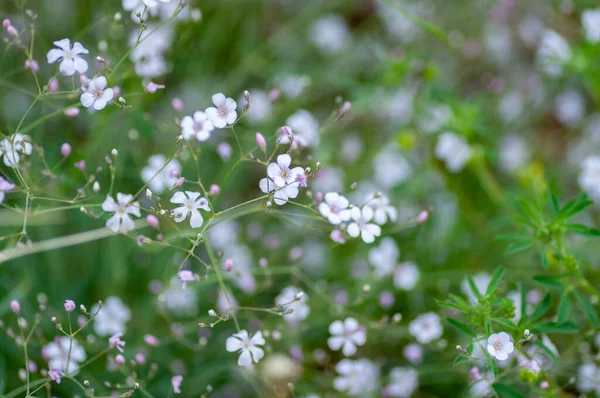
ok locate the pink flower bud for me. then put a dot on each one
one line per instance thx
(120, 359)
(32, 65)
(6, 23)
(262, 262)
(261, 142)
(53, 86)
(346, 107)
(116, 91)
(544, 384)
(83, 79)
(151, 340)
(69, 305)
(65, 149)
(422, 217)
(140, 358)
(214, 190)
(286, 131)
(15, 306)
(319, 196)
(224, 150)
(153, 87)
(274, 95)
(229, 264)
(11, 30)
(80, 165)
(32, 366)
(72, 112)
(140, 240)
(153, 221)
(177, 104)
(179, 182)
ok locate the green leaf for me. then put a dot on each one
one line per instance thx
(447, 304)
(506, 391)
(546, 349)
(519, 246)
(582, 229)
(554, 201)
(462, 327)
(505, 322)
(549, 281)
(459, 359)
(494, 367)
(559, 328)
(588, 308)
(459, 300)
(474, 288)
(516, 236)
(544, 258)
(564, 307)
(494, 281)
(574, 206)
(541, 308)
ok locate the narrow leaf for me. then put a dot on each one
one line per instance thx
(549, 281)
(494, 281)
(582, 229)
(564, 307)
(462, 327)
(544, 347)
(588, 308)
(506, 391)
(519, 246)
(559, 328)
(541, 308)
(474, 288)
(505, 322)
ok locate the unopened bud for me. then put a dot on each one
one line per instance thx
(15, 306)
(114, 152)
(65, 149)
(299, 296)
(96, 187)
(179, 182)
(117, 16)
(148, 193)
(212, 313)
(261, 142)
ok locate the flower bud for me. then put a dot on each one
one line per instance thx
(69, 305)
(148, 193)
(72, 112)
(177, 104)
(212, 313)
(12, 31)
(229, 264)
(214, 190)
(261, 142)
(6, 23)
(15, 306)
(179, 182)
(96, 187)
(120, 359)
(262, 262)
(114, 152)
(83, 79)
(152, 221)
(422, 217)
(65, 149)
(53, 85)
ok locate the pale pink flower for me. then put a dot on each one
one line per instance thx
(69, 305)
(15, 306)
(96, 94)
(115, 341)
(5, 186)
(197, 126)
(55, 375)
(176, 383)
(65, 149)
(347, 334)
(151, 340)
(71, 60)
(32, 65)
(223, 113)
(186, 276)
(153, 87)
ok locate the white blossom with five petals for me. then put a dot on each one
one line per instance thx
(12, 147)
(499, 346)
(196, 126)
(96, 94)
(346, 335)
(282, 180)
(247, 346)
(71, 57)
(362, 225)
(121, 221)
(335, 208)
(191, 203)
(224, 111)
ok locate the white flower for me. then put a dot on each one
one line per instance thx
(292, 85)
(260, 106)
(391, 168)
(454, 151)
(11, 146)
(434, 118)
(196, 126)
(569, 108)
(160, 180)
(330, 33)
(112, 317)
(179, 301)
(589, 178)
(121, 221)
(347, 334)
(362, 225)
(553, 53)
(247, 346)
(589, 374)
(57, 353)
(335, 208)
(304, 127)
(499, 346)
(154, 3)
(590, 19)
(148, 53)
(96, 94)
(513, 153)
(5, 186)
(384, 257)
(71, 59)
(190, 203)
(282, 180)
(287, 298)
(382, 211)
(426, 328)
(358, 378)
(224, 113)
(406, 275)
(403, 382)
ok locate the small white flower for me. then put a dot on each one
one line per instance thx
(382, 210)
(347, 334)
(403, 382)
(71, 59)
(224, 113)
(300, 309)
(406, 276)
(63, 353)
(454, 151)
(260, 107)
(384, 257)
(590, 19)
(11, 147)
(121, 221)
(335, 208)
(589, 178)
(589, 374)
(499, 346)
(96, 94)
(426, 328)
(112, 317)
(358, 378)
(434, 118)
(305, 128)
(282, 181)
(362, 225)
(330, 34)
(166, 178)
(196, 126)
(514, 153)
(391, 168)
(247, 346)
(154, 3)
(5, 186)
(569, 107)
(553, 53)
(190, 203)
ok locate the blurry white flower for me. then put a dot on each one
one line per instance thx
(179, 301)
(305, 128)
(13, 146)
(499, 346)
(70, 56)
(398, 25)
(454, 151)
(330, 33)
(498, 42)
(589, 178)
(399, 106)
(382, 209)
(96, 94)
(112, 317)
(5, 186)
(553, 53)
(403, 382)
(426, 328)
(434, 118)
(299, 307)
(590, 19)
(191, 203)
(121, 221)
(413, 353)
(359, 378)
(166, 178)
(514, 153)
(531, 29)
(510, 106)
(260, 106)
(64, 354)
(148, 53)
(282, 180)
(589, 374)
(352, 148)
(384, 257)
(569, 108)
(196, 126)
(406, 275)
(154, 3)
(223, 113)
(226, 302)
(335, 208)
(362, 225)
(346, 335)
(391, 168)
(247, 346)
(292, 85)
